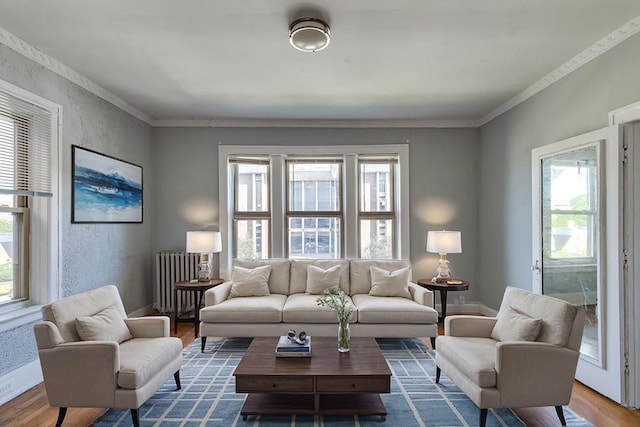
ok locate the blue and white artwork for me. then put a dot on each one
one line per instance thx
(105, 189)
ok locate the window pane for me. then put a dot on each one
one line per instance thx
(9, 286)
(315, 242)
(296, 223)
(375, 189)
(571, 236)
(314, 186)
(376, 238)
(252, 238)
(252, 188)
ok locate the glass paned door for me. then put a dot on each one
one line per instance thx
(570, 236)
(577, 245)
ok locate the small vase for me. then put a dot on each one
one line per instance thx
(344, 337)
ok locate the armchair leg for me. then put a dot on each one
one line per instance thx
(61, 414)
(203, 340)
(433, 342)
(483, 417)
(561, 415)
(437, 374)
(135, 417)
(176, 377)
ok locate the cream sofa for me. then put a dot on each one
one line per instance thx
(288, 306)
(524, 357)
(105, 373)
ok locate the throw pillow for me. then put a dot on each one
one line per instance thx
(106, 325)
(319, 279)
(515, 326)
(390, 283)
(250, 282)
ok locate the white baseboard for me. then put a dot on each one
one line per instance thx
(144, 311)
(20, 380)
(468, 308)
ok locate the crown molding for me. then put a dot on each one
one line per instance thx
(619, 35)
(13, 42)
(624, 32)
(294, 123)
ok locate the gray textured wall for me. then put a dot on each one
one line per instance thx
(443, 179)
(575, 104)
(91, 255)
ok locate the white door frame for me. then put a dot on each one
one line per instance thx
(607, 375)
(629, 118)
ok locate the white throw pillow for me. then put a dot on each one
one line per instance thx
(390, 283)
(319, 279)
(106, 325)
(515, 326)
(250, 282)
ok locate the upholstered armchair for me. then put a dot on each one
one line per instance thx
(526, 356)
(93, 356)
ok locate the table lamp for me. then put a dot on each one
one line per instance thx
(443, 243)
(204, 243)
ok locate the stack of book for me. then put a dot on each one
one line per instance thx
(288, 348)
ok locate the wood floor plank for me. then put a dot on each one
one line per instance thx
(32, 409)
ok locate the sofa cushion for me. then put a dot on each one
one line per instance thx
(514, 326)
(106, 325)
(64, 312)
(474, 357)
(392, 310)
(299, 273)
(250, 282)
(319, 279)
(361, 275)
(390, 283)
(266, 309)
(557, 315)
(142, 358)
(302, 308)
(279, 278)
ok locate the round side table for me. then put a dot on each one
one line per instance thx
(198, 289)
(444, 286)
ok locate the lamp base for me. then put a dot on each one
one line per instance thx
(204, 268)
(443, 272)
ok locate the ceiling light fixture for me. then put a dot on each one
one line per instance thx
(309, 34)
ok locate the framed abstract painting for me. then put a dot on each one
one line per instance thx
(104, 189)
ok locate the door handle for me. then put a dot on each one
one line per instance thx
(536, 268)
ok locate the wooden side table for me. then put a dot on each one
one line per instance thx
(444, 286)
(198, 289)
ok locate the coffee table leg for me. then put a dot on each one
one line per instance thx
(316, 402)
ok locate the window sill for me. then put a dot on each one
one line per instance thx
(20, 317)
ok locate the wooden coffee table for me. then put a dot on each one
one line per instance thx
(314, 385)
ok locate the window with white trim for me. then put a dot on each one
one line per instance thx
(314, 207)
(336, 202)
(376, 207)
(252, 213)
(28, 230)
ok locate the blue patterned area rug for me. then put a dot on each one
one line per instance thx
(208, 396)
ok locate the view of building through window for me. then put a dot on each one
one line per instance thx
(252, 210)
(314, 212)
(7, 215)
(314, 209)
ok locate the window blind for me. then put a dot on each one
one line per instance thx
(25, 147)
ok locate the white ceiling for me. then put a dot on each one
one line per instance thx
(403, 60)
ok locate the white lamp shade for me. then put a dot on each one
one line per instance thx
(444, 242)
(204, 241)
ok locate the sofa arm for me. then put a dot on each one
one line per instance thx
(217, 294)
(47, 335)
(535, 373)
(149, 326)
(421, 295)
(81, 374)
(469, 326)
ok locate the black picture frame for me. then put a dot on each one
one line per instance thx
(104, 189)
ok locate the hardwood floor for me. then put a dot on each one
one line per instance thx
(32, 409)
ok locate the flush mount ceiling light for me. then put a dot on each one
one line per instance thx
(309, 34)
